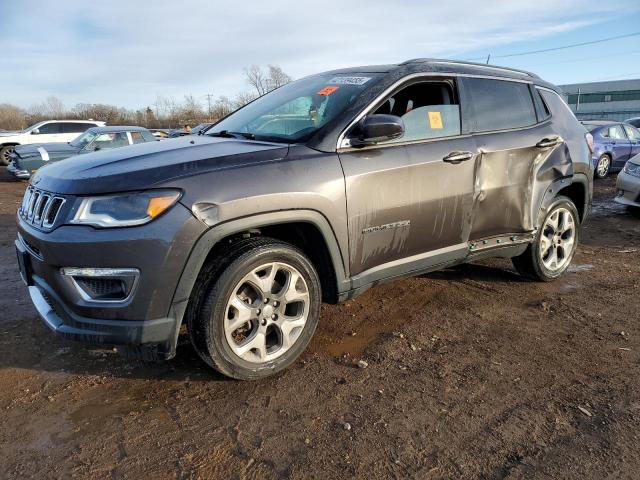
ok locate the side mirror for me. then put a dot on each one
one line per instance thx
(35, 131)
(377, 128)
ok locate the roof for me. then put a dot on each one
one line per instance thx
(436, 65)
(116, 128)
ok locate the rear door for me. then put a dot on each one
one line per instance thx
(70, 130)
(620, 145)
(408, 203)
(518, 148)
(634, 136)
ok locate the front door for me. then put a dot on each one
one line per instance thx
(409, 199)
(634, 136)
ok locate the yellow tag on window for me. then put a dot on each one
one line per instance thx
(435, 120)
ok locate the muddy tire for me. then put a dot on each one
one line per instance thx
(4, 154)
(255, 308)
(554, 246)
(603, 167)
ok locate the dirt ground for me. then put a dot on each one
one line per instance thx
(472, 373)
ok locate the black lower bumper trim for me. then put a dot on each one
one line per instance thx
(161, 334)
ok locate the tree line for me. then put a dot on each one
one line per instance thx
(165, 112)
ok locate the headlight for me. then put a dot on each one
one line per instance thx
(125, 209)
(632, 169)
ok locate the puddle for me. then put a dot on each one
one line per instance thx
(355, 345)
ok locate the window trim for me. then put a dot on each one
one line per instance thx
(343, 144)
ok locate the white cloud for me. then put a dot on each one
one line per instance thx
(125, 52)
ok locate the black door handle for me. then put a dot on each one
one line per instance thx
(549, 142)
(457, 157)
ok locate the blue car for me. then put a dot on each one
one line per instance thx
(613, 144)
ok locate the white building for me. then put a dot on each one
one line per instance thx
(616, 100)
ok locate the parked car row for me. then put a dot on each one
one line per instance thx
(50, 141)
(26, 159)
(613, 144)
(43, 132)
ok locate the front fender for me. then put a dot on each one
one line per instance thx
(211, 237)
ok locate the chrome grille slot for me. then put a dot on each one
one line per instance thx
(40, 208)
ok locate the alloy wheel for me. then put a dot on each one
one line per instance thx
(266, 312)
(603, 166)
(558, 239)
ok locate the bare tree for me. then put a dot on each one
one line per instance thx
(277, 77)
(257, 79)
(12, 117)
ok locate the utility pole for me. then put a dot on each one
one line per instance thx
(488, 58)
(209, 95)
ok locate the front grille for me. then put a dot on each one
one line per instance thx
(40, 208)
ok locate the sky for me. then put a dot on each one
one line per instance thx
(126, 53)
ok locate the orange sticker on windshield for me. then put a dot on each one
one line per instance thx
(327, 90)
(435, 120)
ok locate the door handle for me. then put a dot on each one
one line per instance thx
(457, 157)
(549, 142)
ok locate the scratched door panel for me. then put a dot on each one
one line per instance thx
(404, 200)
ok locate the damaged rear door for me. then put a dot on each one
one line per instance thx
(520, 154)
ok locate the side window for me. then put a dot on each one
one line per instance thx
(148, 136)
(428, 109)
(49, 128)
(137, 137)
(499, 104)
(542, 111)
(632, 132)
(105, 141)
(616, 133)
(75, 127)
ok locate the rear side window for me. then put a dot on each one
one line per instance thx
(428, 110)
(75, 127)
(498, 104)
(148, 136)
(137, 137)
(541, 108)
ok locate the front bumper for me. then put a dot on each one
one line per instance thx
(18, 173)
(149, 317)
(628, 187)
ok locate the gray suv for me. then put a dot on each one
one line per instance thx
(312, 193)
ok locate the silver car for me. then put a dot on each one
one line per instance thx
(628, 183)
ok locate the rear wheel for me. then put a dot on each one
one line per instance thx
(603, 166)
(549, 256)
(5, 152)
(260, 312)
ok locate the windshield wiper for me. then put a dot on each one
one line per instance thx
(228, 134)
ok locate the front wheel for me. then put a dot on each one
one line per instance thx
(261, 311)
(5, 152)
(550, 254)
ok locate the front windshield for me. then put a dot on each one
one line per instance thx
(83, 139)
(294, 112)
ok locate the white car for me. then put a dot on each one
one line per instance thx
(43, 132)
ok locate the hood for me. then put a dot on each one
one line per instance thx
(10, 133)
(58, 149)
(152, 164)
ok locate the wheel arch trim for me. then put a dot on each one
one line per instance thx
(212, 236)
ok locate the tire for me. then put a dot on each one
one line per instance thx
(230, 325)
(537, 261)
(603, 167)
(4, 154)
(634, 211)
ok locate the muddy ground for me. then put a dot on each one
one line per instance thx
(472, 373)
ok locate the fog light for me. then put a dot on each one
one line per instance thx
(103, 284)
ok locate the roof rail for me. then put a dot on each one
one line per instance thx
(473, 64)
